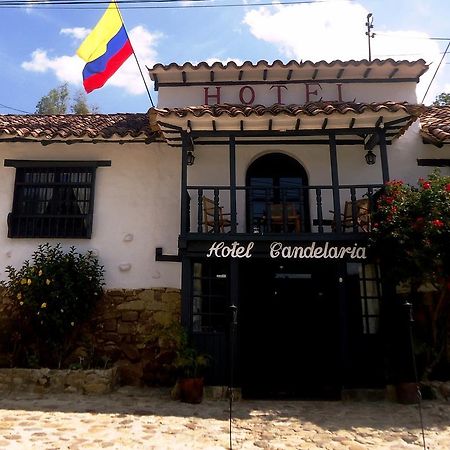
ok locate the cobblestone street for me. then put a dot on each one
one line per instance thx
(147, 419)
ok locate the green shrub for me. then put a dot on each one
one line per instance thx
(51, 296)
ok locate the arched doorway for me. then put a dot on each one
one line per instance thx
(277, 195)
(289, 311)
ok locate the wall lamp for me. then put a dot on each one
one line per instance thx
(370, 157)
(190, 158)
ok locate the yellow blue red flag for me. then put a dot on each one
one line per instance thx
(105, 49)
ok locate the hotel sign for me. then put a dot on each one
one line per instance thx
(276, 93)
(279, 250)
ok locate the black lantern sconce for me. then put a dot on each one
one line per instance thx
(370, 157)
(190, 158)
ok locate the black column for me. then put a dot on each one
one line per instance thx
(184, 194)
(186, 288)
(335, 183)
(383, 154)
(343, 322)
(233, 183)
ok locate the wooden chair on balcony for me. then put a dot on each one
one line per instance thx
(289, 218)
(210, 224)
(361, 218)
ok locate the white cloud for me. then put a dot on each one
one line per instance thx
(66, 68)
(312, 31)
(69, 68)
(336, 30)
(78, 33)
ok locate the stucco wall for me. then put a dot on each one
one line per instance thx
(171, 97)
(136, 209)
(137, 205)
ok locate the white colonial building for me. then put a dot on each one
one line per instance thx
(249, 187)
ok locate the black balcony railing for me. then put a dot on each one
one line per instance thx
(276, 210)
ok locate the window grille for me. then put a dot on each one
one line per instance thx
(210, 297)
(370, 288)
(52, 201)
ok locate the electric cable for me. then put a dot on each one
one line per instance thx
(436, 71)
(137, 4)
(14, 109)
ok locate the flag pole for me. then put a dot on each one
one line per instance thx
(134, 53)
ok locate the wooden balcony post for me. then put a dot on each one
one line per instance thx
(335, 184)
(183, 195)
(233, 183)
(383, 154)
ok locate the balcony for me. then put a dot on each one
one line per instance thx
(294, 213)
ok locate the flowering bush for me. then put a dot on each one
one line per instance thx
(411, 230)
(51, 295)
(411, 236)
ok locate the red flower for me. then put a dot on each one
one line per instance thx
(389, 200)
(447, 187)
(426, 185)
(437, 223)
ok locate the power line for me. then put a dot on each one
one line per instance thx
(83, 2)
(14, 109)
(414, 37)
(139, 4)
(437, 68)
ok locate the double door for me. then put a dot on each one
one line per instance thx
(289, 341)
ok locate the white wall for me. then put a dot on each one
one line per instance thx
(171, 97)
(138, 195)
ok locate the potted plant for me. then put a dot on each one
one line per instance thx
(190, 365)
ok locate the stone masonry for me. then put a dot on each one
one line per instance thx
(129, 330)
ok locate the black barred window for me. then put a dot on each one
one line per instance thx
(53, 199)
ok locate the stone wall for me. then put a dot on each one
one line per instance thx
(128, 329)
(52, 380)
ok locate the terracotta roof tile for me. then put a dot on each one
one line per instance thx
(309, 109)
(70, 126)
(435, 124)
(280, 64)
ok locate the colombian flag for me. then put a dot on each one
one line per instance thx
(105, 49)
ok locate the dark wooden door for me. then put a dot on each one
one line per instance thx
(289, 330)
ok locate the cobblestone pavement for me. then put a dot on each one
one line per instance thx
(148, 419)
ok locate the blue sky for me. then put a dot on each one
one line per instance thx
(37, 45)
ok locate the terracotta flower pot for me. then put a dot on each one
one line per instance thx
(191, 390)
(407, 393)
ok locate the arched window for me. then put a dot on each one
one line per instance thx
(277, 195)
